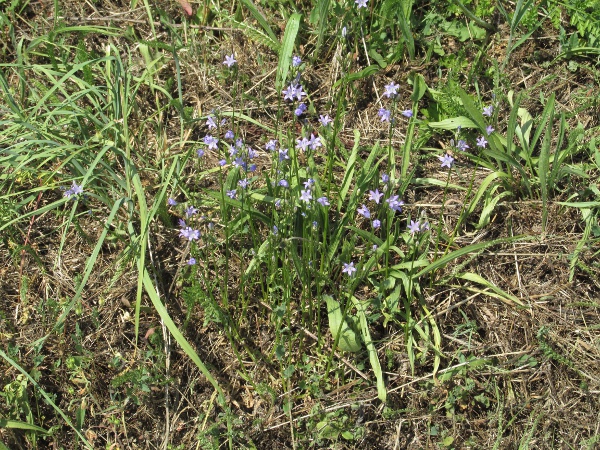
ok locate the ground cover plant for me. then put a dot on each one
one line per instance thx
(320, 224)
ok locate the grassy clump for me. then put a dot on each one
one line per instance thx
(254, 226)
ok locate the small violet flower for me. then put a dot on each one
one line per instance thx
(361, 3)
(376, 223)
(200, 153)
(325, 120)
(481, 142)
(222, 162)
(302, 144)
(375, 195)
(488, 110)
(243, 183)
(271, 145)
(189, 233)
(232, 194)
(414, 227)
(385, 178)
(229, 134)
(190, 211)
(364, 211)
(211, 142)
(296, 61)
(75, 189)
(192, 261)
(407, 113)
(391, 90)
(394, 203)
(210, 122)
(172, 202)
(489, 129)
(462, 145)
(229, 60)
(300, 109)
(323, 201)
(306, 195)
(446, 160)
(284, 183)
(349, 267)
(385, 114)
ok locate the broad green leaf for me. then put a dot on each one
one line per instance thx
(346, 338)
(453, 123)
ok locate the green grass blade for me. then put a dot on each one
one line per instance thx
(285, 53)
(17, 424)
(373, 358)
(544, 166)
(473, 248)
(179, 338)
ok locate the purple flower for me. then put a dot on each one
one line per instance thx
(75, 189)
(385, 114)
(390, 89)
(289, 93)
(252, 168)
(314, 142)
(190, 211)
(481, 142)
(488, 110)
(222, 162)
(232, 194)
(229, 134)
(284, 183)
(308, 183)
(200, 153)
(233, 151)
(394, 203)
(239, 162)
(325, 120)
(239, 143)
(243, 183)
(407, 113)
(375, 195)
(278, 203)
(414, 227)
(171, 202)
(315, 224)
(300, 109)
(229, 60)
(323, 201)
(211, 142)
(189, 233)
(271, 145)
(210, 123)
(385, 178)
(462, 145)
(349, 267)
(192, 261)
(296, 61)
(361, 3)
(489, 129)
(364, 211)
(446, 160)
(283, 154)
(296, 92)
(275, 230)
(376, 223)
(252, 153)
(306, 195)
(302, 143)
(425, 226)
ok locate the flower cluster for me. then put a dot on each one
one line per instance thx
(391, 91)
